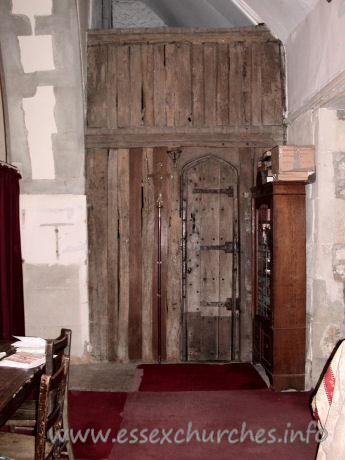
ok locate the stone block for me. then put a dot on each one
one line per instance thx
(339, 174)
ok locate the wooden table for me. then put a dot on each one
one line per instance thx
(15, 386)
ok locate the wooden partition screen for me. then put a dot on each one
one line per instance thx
(158, 98)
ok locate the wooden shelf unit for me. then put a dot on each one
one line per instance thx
(279, 280)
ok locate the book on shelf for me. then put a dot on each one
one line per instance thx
(24, 360)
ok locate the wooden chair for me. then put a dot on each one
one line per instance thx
(25, 417)
(49, 417)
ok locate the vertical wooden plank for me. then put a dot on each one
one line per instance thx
(183, 78)
(159, 85)
(193, 280)
(226, 224)
(154, 240)
(96, 191)
(178, 84)
(135, 86)
(209, 260)
(111, 119)
(194, 326)
(197, 85)
(135, 256)
(123, 86)
(171, 83)
(271, 85)
(224, 336)
(123, 207)
(246, 86)
(112, 269)
(97, 87)
(244, 278)
(210, 82)
(256, 84)
(147, 75)
(236, 77)
(240, 106)
(209, 337)
(148, 229)
(174, 265)
(209, 232)
(222, 84)
(160, 157)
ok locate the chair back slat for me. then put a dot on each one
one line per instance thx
(59, 347)
(57, 387)
(50, 409)
(63, 342)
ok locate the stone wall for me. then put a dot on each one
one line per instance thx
(325, 128)
(40, 44)
(134, 13)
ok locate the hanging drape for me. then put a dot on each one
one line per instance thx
(11, 274)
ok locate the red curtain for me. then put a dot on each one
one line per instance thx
(11, 273)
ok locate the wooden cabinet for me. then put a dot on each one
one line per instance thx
(279, 280)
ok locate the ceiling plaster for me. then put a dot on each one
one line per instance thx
(280, 16)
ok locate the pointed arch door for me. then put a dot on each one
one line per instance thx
(210, 260)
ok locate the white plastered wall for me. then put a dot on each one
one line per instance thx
(325, 214)
(42, 67)
(54, 249)
(315, 52)
(40, 125)
(315, 80)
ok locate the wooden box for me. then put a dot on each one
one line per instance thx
(286, 158)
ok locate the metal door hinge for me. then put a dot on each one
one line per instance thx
(228, 247)
(225, 191)
(227, 303)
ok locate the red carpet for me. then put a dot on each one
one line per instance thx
(97, 410)
(277, 415)
(259, 409)
(200, 377)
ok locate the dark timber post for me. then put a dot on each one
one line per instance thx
(160, 176)
(159, 276)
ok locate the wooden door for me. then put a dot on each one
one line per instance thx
(210, 259)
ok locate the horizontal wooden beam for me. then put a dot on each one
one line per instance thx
(272, 135)
(177, 34)
(244, 130)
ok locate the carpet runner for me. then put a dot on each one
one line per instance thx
(182, 405)
(200, 377)
(285, 413)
